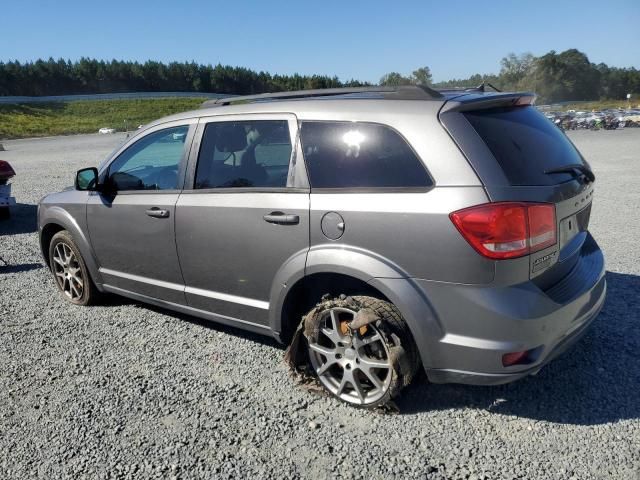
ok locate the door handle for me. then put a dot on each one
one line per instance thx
(280, 218)
(156, 212)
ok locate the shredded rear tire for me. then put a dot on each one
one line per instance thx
(358, 349)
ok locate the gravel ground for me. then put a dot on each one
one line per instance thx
(125, 390)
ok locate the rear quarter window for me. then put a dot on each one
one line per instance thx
(360, 155)
(525, 144)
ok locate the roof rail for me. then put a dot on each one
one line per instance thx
(404, 92)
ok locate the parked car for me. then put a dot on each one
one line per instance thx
(106, 131)
(377, 231)
(608, 119)
(6, 200)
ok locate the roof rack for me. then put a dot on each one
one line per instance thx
(405, 92)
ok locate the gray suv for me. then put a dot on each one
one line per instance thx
(376, 231)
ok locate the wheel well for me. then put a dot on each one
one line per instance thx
(48, 232)
(309, 290)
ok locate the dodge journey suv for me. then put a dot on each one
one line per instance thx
(376, 231)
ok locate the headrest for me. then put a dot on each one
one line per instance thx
(231, 138)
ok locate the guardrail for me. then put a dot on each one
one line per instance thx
(108, 96)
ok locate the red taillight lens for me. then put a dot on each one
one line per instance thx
(507, 229)
(6, 171)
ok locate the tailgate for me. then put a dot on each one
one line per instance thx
(519, 155)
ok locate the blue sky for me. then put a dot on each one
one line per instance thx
(350, 39)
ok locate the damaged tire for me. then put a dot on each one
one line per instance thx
(360, 349)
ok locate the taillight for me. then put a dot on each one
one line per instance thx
(6, 172)
(507, 229)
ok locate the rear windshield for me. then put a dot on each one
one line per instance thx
(525, 144)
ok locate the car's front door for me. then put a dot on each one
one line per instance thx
(243, 213)
(132, 223)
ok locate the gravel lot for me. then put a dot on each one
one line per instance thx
(125, 390)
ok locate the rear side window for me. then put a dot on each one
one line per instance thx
(244, 154)
(525, 144)
(360, 155)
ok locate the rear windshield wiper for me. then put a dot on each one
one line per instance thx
(572, 168)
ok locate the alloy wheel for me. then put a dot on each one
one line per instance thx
(67, 271)
(353, 365)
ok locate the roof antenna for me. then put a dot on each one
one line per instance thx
(483, 85)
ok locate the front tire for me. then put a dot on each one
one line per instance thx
(70, 271)
(369, 365)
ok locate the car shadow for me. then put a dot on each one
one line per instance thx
(595, 382)
(218, 327)
(23, 220)
(112, 300)
(24, 267)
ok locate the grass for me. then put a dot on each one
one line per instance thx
(87, 116)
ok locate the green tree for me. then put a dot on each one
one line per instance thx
(515, 69)
(394, 79)
(555, 77)
(422, 76)
(565, 76)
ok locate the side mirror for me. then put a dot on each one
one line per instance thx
(87, 179)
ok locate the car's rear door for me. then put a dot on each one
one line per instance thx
(132, 223)
(243, 214)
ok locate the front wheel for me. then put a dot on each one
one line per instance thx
(360, 349)
(70, 271)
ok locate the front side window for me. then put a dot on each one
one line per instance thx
(360, 155)
(151, 163)
(244, 154)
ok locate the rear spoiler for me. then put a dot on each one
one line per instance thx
(476, 102)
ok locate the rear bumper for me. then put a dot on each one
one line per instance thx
(481, 324)
(477, 378)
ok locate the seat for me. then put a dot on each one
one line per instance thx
(250, 170)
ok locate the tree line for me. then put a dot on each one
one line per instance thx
(63, 77)
(555, 77)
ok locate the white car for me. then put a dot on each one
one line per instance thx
(106, 130)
